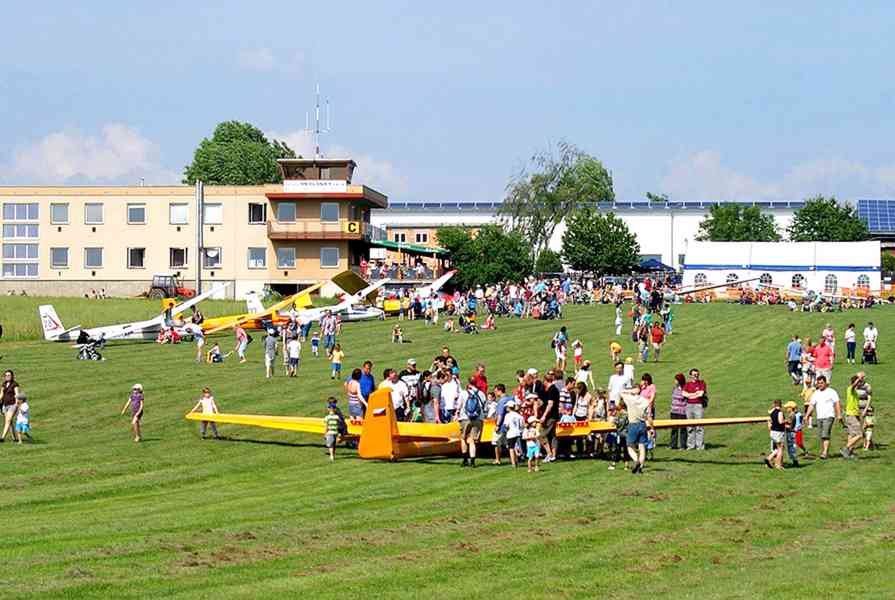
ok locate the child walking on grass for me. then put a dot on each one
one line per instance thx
(337, 357)
(532, 435)
(23, 418)
(135, 403)
(331, 421)
(208, 407)
(315, 344)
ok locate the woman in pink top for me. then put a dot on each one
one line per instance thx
(648, 391)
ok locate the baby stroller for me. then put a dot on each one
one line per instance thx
(90, 348)
(869, 356)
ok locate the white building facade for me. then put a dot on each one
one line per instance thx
(831, 267)
(664, 230)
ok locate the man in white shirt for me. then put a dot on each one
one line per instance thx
(617, 383)
(825, 403)
(450, 395)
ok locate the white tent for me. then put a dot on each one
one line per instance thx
(821, 266)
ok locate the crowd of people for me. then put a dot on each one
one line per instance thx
(810, 368)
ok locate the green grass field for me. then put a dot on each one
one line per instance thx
(89, 513)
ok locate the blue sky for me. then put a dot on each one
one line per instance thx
(700, 100)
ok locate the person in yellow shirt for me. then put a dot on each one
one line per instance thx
(806, 400)
(615, 351)
(336, 358)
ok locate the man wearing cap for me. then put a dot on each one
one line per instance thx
(857, 401)
(639, 421)
(411, 378)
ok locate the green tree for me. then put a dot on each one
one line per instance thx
(599, 243)
(888, 262)
(491, 255)
(237, 154)
(737, 223)
(548, 262)
(825, 220)
(549, 189)
(658, 198)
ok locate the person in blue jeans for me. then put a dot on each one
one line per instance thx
(793, 358)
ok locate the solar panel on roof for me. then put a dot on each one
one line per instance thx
(878, 214)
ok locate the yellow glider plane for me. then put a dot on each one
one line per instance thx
(383, 437)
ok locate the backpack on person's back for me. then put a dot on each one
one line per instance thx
(474, 406)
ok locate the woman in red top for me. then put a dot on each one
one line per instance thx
(658, 337)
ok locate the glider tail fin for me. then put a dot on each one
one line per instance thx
(379, 436)
(50, 321)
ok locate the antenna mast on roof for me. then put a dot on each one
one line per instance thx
(316, 130)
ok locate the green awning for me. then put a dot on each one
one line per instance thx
(410, 248)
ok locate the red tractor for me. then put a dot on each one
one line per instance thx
(168, 286)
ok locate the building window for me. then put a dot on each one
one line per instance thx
(797, 280)
(177, 258)
(20, 211)
(178, 213)
(20, 269)
(399, 238)
(700, 279)
(136, 258)
(257, 213)
(211, 258)
(20, 231)
(257, 258)
(863, 281)
(830, 284)
(59, 258)
(324, 172)
(213, 214)
(329, 258)
(285, 258)
(93, 258)
(93, 213)
(59, 214)
(20, 251)
(286, 212)
(766, 279)
(329, 212)
(136, 214)
(422, 237)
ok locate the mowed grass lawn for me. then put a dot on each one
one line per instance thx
(89, 513)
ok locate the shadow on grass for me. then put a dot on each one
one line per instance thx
(226, 439)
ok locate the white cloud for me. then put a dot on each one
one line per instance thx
(256, 59)
(381, 175)
(119, 154)
(703, 176)
(266, 61)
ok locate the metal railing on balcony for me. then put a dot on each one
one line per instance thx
(316, 230)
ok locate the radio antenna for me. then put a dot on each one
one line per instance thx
(316, 131)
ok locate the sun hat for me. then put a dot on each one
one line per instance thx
(532, 419)
(138, 386)
(411, 361)
(532, 371)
